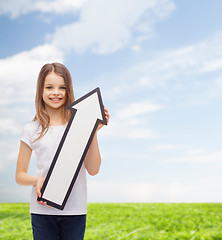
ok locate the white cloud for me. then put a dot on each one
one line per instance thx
(191, 152)
(106, 26)
(15, 8)
(136, 109)
(197, 156)
(175, 71)
(130, 121)
(9, 152)
(161, 147)
(142, 133)
(103, 26)
(8, 126)
(58, 6)
(195, 59)
(136, 48)
(170, 65)
(107, 191)
(19, 73)
(120, 130)
(215, 90)
(196, 151)
(15, 193)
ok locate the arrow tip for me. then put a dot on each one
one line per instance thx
(90, 102)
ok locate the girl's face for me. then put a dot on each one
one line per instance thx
(54, 92)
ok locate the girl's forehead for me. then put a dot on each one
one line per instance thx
(54, 78)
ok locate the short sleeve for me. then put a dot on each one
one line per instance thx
(26, 135)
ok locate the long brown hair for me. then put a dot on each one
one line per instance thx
(41, 114)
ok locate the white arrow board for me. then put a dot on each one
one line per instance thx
(88, 112)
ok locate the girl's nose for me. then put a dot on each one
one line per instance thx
(56, 91)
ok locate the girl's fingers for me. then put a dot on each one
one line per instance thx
(38, 190)
(42, 203)
(106, 114)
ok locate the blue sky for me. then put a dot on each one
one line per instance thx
(158, 64)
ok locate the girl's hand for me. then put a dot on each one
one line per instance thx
(107, 119)
(39, 184)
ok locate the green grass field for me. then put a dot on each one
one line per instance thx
(115, 221)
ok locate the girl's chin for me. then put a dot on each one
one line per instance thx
(54, 106)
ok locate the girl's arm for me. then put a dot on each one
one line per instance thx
(21, 176)
(93, 159)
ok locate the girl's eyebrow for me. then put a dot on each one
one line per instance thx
(50, 84)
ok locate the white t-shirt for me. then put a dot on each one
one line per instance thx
(45, 149)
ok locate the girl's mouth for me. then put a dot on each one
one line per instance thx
(55, 99)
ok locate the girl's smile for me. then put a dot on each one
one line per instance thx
(55, 100)
(54, 93)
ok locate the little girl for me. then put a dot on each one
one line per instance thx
(54, 91)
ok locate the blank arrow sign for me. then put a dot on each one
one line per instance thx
(88, 112)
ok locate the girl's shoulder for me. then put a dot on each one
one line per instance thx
(32, 127)
(30, 133)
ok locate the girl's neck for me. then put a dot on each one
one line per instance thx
(56, 116)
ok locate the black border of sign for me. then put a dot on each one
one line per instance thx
(104, 122)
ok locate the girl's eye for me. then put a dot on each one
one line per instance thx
(48, 87)
(63, 88)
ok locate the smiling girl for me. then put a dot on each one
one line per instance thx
(54, 91)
